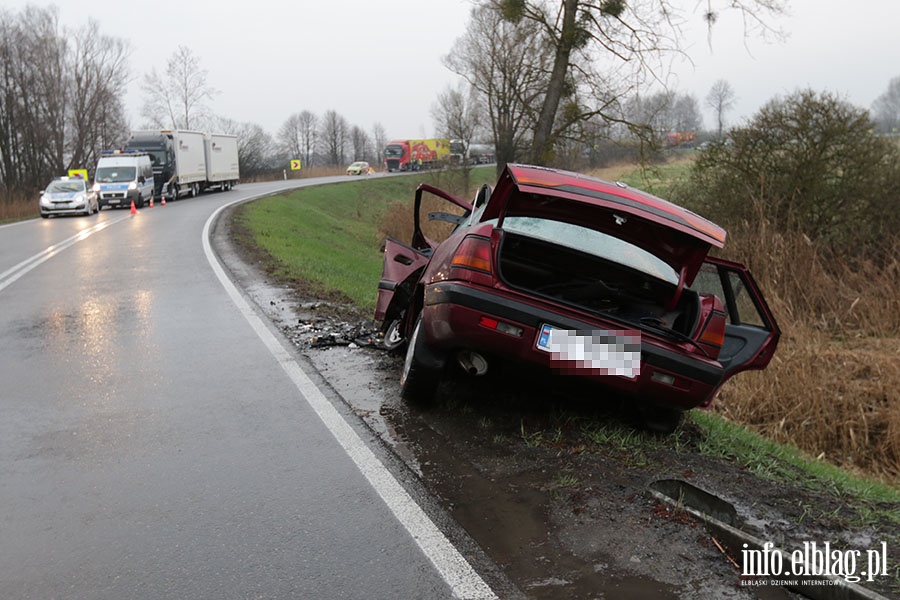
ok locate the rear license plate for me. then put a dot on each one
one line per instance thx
(601, 351)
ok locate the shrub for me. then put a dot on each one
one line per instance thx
(810, 163)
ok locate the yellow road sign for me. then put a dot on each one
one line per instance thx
(295, 165)
(82, 173)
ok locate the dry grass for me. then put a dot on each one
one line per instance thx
(833, 388)
(16, 206)
(837, 400)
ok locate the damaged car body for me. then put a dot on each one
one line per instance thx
(578, 275)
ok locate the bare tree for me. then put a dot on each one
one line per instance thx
(334, 133)
(99, 68)
(178, 100)
(635, 37)
(886, 108)
(362, 145)
(506, 63)
(458, 115)
(686, 117)
(297, 136)
(60, 100)
(379, 141)
(721, 99)
(257, 153)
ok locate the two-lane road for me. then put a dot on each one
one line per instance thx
(158, 440)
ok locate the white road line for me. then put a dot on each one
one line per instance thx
(9, 276)
(450, 564)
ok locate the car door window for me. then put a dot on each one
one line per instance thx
(740, 305)
(750, 326)
(747, 311)
(437, 215)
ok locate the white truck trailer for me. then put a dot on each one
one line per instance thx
(221, 161)
(178, 157)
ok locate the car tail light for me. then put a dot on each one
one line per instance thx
(713, 335)
(472, 261)
(507, 328)
(473, 253)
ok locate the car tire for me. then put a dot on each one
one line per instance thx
(421, 369)
(661, 419)
(393, 335)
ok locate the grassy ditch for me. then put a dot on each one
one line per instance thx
(841, 408)
(331, 237)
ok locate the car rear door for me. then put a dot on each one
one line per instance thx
(751, 333)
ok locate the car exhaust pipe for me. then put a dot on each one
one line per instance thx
(472, 362)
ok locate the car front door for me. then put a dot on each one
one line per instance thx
(400, 270)
(403, 264)
(751, 333)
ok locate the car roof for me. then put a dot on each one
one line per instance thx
(601, 192)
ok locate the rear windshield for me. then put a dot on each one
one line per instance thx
(592, 242)
(114, 174)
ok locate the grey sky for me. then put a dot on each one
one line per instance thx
(381, 61)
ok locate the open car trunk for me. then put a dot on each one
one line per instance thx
(598, 284)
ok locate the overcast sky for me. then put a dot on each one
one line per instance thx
(381, 61)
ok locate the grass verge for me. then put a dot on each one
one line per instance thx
(331, 236)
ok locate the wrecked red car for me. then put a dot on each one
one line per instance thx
(576, 275)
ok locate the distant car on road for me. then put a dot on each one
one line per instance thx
(574, 276)
(68, 196)
(360, 167)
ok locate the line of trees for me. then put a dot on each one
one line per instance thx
(329, 140)
(548, 81)
(60, 102)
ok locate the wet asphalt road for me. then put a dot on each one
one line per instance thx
(155, 442)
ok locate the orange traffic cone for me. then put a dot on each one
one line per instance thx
(163, 200)
(133, 209)
(151, 201)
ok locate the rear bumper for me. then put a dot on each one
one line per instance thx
(453, 317)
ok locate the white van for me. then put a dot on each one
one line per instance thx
(122, 178)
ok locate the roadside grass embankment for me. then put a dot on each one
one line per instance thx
(329, 239)
(831, 395)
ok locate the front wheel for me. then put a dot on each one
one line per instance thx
(421, 369)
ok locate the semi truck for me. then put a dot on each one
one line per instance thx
(186, 163)
(409, 155)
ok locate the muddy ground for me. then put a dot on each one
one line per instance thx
(564, 512)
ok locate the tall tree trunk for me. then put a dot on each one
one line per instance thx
(542, 143)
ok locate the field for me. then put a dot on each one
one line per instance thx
(833, 389)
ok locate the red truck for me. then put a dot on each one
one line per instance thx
(405, 155)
